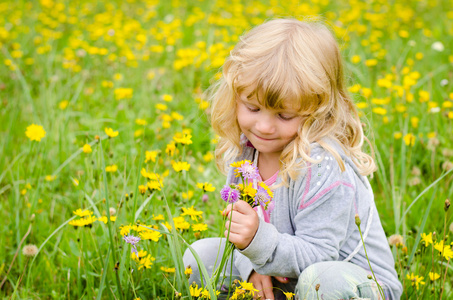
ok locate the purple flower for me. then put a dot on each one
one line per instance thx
(262, 197)
(229, 194)
(248, 171)
(130, 239)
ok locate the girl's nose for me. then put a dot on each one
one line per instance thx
(265, 124)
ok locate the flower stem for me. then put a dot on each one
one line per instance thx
(381, 291)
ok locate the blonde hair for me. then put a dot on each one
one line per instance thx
(289, 60)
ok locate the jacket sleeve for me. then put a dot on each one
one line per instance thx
(323, 204)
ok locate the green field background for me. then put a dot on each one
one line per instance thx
(140, 68)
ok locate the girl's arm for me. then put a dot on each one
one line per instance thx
(322, 210)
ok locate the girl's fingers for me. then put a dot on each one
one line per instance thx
(267, 288)
(282, 279)
(240, 206)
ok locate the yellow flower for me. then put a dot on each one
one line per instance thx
(63, 104)
(171, 148)
(414, 122)
(447, 252)
(185, 139)
(180, 166)
(75, 182)
(415, 280)
(167, 98)
(158, 218)
(380, 111)
(82, 213)
(248, 286)
(192, 212)
(195, 291)
(150, 235)
(142, 189)
(355, 59)
(146, 262)
(409, 139)
(151, 155)
(188, 271)
(439, 246)
(111, 169)
(50, 177)
(424, 96)
(161, 106)
(141, 253)
(187, 195)
(288, 295)
(248, 190)
(433, 276)
(397, 135)
(355, 88)
(110, 132)
(35, 132)
(123, 93)
(140, 122)
(208, 157)
(168, 270)
(206, 187)
(180, 223)
(199, 227)
(371, 62)
(154, 185)
(427, 238)
(87, 148)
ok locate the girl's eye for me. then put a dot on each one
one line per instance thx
(252, 108)
(285, 117)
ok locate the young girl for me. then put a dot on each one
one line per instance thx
(282, 103)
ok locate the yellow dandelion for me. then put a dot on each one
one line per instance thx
(409, 139)
(180, 166)
(167, 98)
(192, 212)
(50, 177)
(63, 104)
(87, 148)
(142, 189)
(111, 169)
(433, 276)
(110, 132)
(200, 227)
(188, 270)
(35, 132)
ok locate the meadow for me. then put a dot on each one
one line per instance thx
(104, 126)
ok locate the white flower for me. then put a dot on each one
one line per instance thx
(438, 46)
(443, 82)
(412, 43)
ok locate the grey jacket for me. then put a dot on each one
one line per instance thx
(314, 220)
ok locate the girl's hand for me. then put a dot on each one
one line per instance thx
(244, 223)
(263, 284)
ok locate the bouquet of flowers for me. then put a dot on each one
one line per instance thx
(256, 194)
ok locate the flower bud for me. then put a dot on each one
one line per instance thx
(447, 204)
(357, 220)
(205, 198)
(317, 287)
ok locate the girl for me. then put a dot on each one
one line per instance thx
(282, 103)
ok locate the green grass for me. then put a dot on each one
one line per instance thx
(51, 54)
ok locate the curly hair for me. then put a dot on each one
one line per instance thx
(297, 62)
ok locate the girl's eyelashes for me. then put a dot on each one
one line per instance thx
(252, 108)
(286, 117)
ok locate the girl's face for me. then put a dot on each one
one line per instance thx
(268, 130)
